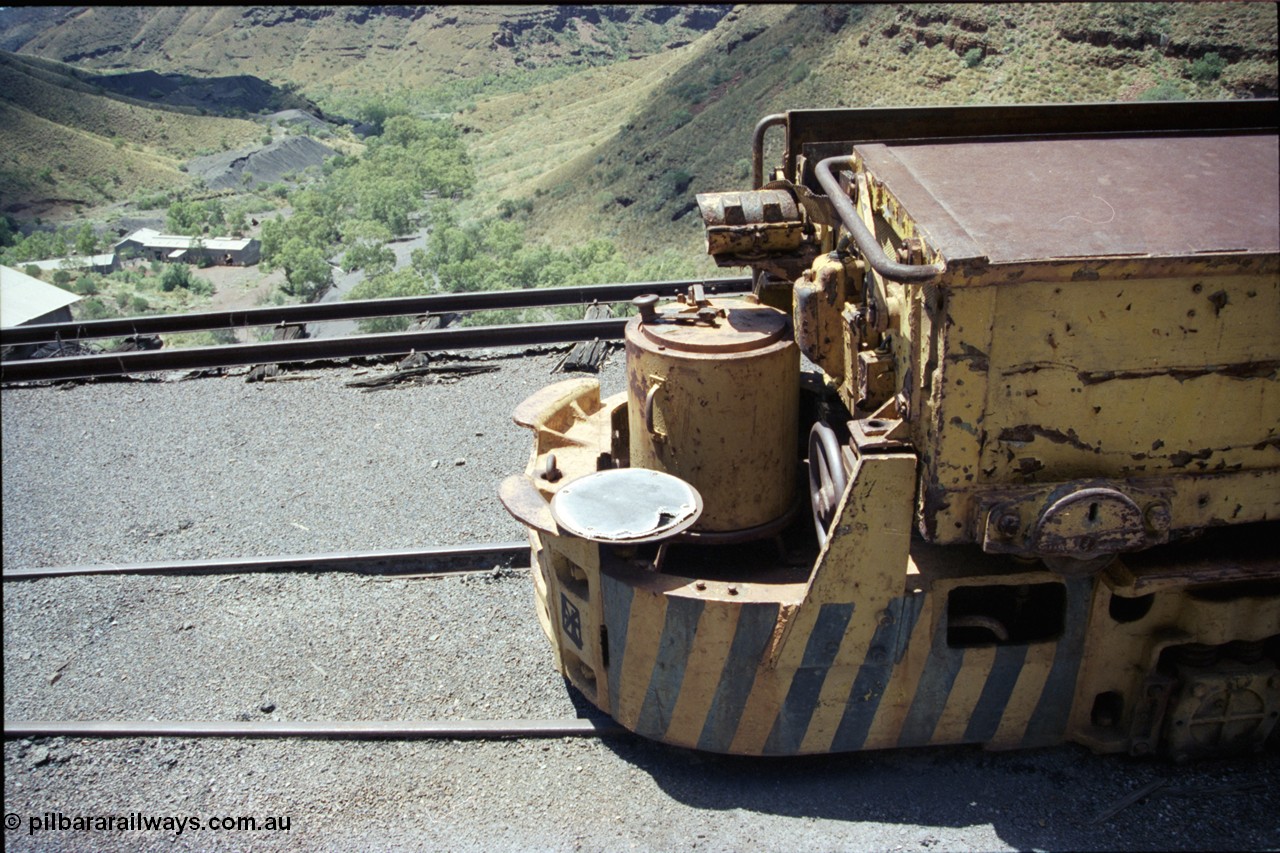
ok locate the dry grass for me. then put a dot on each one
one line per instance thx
(60, 142)
(580, 167)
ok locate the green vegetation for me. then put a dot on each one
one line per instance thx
(1165, 90)
(196, 217)
(1207, 68)
(41, 245)
(495, 254)
(364, 201)
(572, 149)
(177, 276)
(127, 293)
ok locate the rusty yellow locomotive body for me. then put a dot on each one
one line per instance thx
(991, 454)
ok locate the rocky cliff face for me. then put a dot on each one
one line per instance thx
(345, 44)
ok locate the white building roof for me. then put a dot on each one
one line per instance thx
(155, 240)
(23, 298)
(74, 263)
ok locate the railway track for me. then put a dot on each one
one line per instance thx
(413, 562)
(426, 562)
(346, 730)
(311, 350)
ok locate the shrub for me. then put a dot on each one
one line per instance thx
(93, 309)
(200, 286)
(973, 57)
(1166, 90)
(174, 277)
(1207, 68)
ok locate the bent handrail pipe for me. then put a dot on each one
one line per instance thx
(862, 237)
(757, 146)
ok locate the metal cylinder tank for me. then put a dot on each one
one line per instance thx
(713, 398)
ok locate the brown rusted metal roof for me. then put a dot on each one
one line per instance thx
(1023, 200)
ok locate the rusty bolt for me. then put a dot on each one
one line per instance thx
(904, 254)
(1157, 516)
(733, 590)
(884, 617)
(700, 585)
(1009, 523)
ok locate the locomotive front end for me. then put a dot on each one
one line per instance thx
(1023, 488)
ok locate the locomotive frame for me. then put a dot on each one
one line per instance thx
(1007, 542)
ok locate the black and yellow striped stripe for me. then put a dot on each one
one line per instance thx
(762, 677)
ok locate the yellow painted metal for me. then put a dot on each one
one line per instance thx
(1055, 407)
(858, 654)
(716, 404)
(1136, 617)
(1026, 374)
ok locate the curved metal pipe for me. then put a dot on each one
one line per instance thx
(866, 243)
(757, 147)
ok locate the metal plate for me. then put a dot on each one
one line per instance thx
(747, 327)
(626, 505)
(1027, 200)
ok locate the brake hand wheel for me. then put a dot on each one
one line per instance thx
(827, 478)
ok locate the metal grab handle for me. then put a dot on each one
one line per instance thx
(866, 243)
(648, 410)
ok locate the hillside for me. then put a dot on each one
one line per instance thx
(359, 46)
(692, 133)
(604, 121)
(65, 142)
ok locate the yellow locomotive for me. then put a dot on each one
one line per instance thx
(991, 454)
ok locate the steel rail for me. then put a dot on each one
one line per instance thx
(349, 730)
(309, 349)
(356, 310)
(436, 560)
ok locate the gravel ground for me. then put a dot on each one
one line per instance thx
(138, 471)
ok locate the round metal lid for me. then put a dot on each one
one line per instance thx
(746, 326)
(626, 505)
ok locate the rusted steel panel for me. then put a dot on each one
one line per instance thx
(1023, 200)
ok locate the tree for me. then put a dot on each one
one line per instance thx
(306, 270)
(402, 282)
(86, 240)
(373, 258)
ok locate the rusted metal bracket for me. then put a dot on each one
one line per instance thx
(1082, 520)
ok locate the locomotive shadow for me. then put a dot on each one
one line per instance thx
(1060, 798)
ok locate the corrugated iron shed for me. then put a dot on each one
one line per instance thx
(24, 298)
